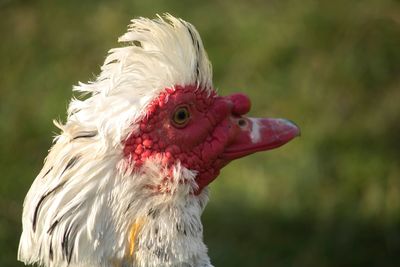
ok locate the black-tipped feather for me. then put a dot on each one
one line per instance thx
(39, 204)
(85, 135)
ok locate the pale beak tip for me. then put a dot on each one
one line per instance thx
(293, 125)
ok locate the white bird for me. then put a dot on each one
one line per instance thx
(125, 182)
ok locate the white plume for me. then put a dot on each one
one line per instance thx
(82, 205)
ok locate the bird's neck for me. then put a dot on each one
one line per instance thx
(162, 228)
(169, 235)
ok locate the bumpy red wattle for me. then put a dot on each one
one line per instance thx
(197, 146)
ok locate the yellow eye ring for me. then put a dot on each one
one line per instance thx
(181, 116)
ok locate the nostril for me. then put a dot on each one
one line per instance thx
(242, 122)
(241, 104)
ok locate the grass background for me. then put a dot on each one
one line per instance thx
(329, 198)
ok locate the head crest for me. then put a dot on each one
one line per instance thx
(158, 54)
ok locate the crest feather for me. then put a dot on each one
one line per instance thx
(158, 54)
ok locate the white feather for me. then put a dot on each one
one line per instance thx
(80, 209)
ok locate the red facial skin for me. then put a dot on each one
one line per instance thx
(215, 126)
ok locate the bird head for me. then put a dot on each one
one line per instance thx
(185, 121)
(126, 181)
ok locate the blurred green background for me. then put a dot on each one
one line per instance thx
(329, 198)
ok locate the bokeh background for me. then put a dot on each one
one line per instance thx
(329, 198)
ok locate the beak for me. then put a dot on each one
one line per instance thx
(259, 134)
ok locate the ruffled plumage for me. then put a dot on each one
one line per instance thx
(83, 204)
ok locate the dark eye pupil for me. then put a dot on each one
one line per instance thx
(181, 115)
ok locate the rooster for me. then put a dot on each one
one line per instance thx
(125, 182)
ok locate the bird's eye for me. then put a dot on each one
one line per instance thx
(181, 116)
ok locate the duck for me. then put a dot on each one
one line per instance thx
(127, 179)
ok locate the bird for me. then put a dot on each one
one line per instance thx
(127, 178)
